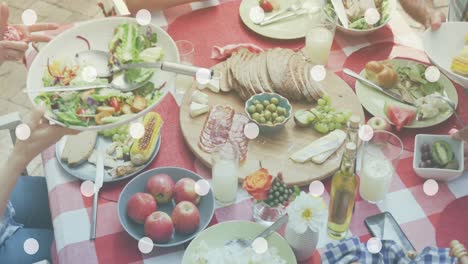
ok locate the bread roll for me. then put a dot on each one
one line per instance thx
(381, 73)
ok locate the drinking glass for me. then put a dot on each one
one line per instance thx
(321, 26)
(187, 57)
(225, 173)
(380, 160)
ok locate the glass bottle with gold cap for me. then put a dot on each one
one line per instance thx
(353, 129)
(343, 193)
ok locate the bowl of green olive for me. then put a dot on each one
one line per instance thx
(269, 111)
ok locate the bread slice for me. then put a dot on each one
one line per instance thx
(294, 63)
(263, 73)
(302, 82)
(311, 84)
(222, 71)
(80, 147)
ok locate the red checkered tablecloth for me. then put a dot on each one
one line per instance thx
(211, 23)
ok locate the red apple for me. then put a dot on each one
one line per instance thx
(379, 123)
(159, 227)
(186, 217)
(184, 190)
(161, 187)
(140, 206)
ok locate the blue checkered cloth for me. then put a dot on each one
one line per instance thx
(351, 250)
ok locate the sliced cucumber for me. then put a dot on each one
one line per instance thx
(441, 153)
(452, 165)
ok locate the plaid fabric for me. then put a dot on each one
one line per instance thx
(417, 213)
(351, 250)
(458, 10)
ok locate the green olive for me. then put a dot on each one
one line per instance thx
(269, 123)
(272, 108)
(256, 116)
(267, 114)
(274, 116)
(262, 120)
(281, 111)
(255, 102)
(252, 109)
(279, 119)
(274, 100)
(266, 103)
(259, 107)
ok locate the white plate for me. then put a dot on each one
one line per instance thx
(444, 44)
(99, 33)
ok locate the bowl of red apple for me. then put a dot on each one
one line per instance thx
(162, 204)
(438, 157)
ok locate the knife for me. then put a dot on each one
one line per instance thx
(279, 18)
(97, 186)
(340, 12)
(397, 97)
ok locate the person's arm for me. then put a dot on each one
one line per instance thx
(153, 5)
(42, 136)
(423, 11)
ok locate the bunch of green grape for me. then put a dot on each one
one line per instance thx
(328, 118)
(118, 134)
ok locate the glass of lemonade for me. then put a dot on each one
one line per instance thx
(319, 37)
(380, 160)
(187, 57)
(225, 173)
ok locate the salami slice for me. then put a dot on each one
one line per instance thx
(237, 136)
(216, 129)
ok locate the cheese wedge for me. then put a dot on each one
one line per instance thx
(197, 109)
(321, 149)
(213, 85)
(200, 97)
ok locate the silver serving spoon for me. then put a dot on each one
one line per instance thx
(100, 61)
(244, 243)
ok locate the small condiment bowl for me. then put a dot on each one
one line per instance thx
(283, 102)
(438, 173)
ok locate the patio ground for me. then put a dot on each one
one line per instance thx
(13, 75)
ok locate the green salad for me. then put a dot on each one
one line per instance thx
(356, 15)
(131, 43)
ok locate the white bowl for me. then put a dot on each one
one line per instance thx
(444, 44)
(435, 173)
(359, 32)
(99, 32)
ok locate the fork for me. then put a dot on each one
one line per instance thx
(292, 8)
(452, 106)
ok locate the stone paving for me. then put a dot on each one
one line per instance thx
(13, 75)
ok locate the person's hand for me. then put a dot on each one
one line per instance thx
(14, 39)
(42, 136)
(463, 135)
(435, 19)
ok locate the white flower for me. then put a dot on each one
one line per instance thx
(307, 211)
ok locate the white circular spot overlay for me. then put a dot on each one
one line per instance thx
(432, 74)
(374, 245)
(23, 132)
(318, 73)
(203, 76)
(260, 245)
(89, 74)
(202, 187)
(137, 130)
(316, 188)
(430, 187)
(143, 17)
(251, 130)
(256, 14)
(29, 17)
(87, 188)
(145, 245)
(366, 132)
(31, 246)
(371, 16)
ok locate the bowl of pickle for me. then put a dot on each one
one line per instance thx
(270, 111)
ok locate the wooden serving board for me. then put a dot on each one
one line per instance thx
(274, 150)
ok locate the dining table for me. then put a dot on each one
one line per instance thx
(217, 22)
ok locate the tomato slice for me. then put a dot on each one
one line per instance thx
(400, 116)
(81, 111)
(115, 103)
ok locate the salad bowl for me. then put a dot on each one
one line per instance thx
(98, 35)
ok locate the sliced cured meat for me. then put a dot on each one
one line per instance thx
(237, 136)
(216, 129)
